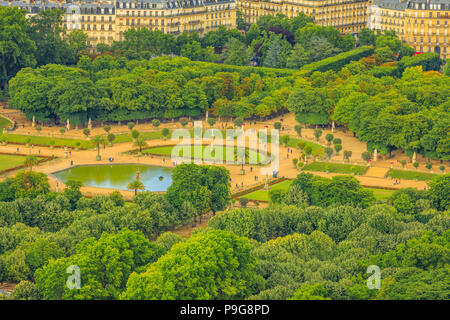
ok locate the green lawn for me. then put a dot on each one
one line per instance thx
(410, 175)
(4, 123)
(335, 168)
(126, 137)
(59, 142)
(317, 149)
(206, 151)
(10, 161)
(381, 194)
(263, 195)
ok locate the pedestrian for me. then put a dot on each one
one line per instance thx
(70, 152)
(287, 156)
(17, 150)
(251, 169)
(39, 151)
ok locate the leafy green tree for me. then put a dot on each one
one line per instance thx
(439, 191)
(156, 123)
(192, 50)
(165, 132)
(184, 122)
(111, 137)
(295, 196)
(26, 184)
(329, 137)
(168, 240)
(276, 196)
(105, 265)
(212, 121)
(311, 292)
(366, 156)
(86, 132)
(298, 57)
(140, 143)
(298, 129)
(53, 45)
(337, 147)
(235, 53)
(195, 101)
(276, 52)
(136, 185)
(284, 140)
(31, 161)
(97, 141)
(366, 37)
(135, 134)
(318, 133)
(310, 105)
(25, 290)
(178, 274)
(277, 125)
(16, 47)
(206, 187)
(347, 154)
(72, 191)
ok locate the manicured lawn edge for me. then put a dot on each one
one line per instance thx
(411, 175)
(16, 139)
(335, 167)
(44, 159)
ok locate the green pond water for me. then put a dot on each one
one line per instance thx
(118, 176)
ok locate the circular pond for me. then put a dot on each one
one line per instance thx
(118, 176)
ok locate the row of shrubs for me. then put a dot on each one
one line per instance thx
(337, 62)
(429, 61)
(244, 71)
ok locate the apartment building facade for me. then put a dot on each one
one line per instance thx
(105, 22)
(422, 24)
(348, 16)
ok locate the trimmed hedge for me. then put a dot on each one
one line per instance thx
(429, 61)
(385, 71)
(336, 63)
(244, 71)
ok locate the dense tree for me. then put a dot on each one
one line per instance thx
(310, 105)
(205, 187)
(105, 264)
(225, 258)
(235, 53)
(16, 47)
